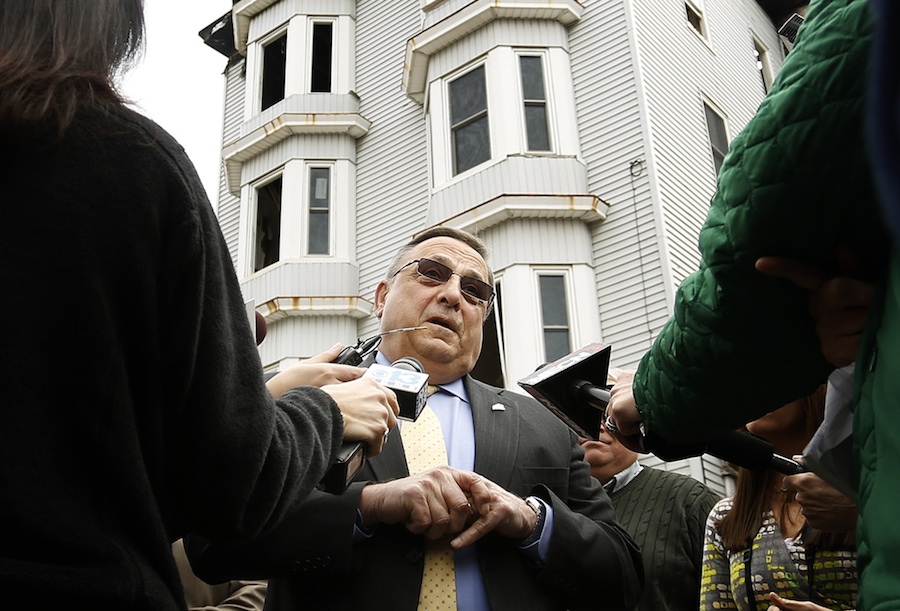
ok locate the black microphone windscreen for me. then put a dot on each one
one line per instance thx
(742, 449)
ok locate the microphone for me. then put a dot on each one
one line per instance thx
(740, 448)
(407, 378)
(352, 455)
(574, 389)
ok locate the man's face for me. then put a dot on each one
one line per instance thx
(450, 344)
(606, 456)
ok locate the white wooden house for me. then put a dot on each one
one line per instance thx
(579, 139)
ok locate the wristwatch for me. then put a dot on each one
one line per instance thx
(537, 506)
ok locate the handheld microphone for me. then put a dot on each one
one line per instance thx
(352, 454)
(407, 378)
(574, 389)
(740, 448)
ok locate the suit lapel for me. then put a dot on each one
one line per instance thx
(391, 463)
(496, 432)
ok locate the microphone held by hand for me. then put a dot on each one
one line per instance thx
(740, 448)
(407, 379)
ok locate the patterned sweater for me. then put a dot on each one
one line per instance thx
(776, 565)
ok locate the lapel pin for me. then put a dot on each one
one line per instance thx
(498, 407)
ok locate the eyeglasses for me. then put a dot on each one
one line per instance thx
(439, 274)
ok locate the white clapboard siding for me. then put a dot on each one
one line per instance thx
(392, 161)
(300, 146)
(229, 205)
(680, 71)
(280, 12)
(301, 337)
(539, 242)
(612, 136)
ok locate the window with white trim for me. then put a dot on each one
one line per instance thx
(267, 237)
(763, 64)
(554, 315)
(534, 98)
(694, 13)
(469, 127)
(321, 57)
(718, 135)
(274, 71)
(319, 202)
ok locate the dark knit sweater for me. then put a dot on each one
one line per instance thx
(134, 408)
(665, 513)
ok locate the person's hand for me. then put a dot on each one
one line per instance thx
(317, 370)
(622, 417)
(369, 409)
(838, 302)
(823, 507)
(783, 604)
(500, 511)
(435, 502)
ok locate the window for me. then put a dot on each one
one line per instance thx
(695, 18)
(274, 69)
(718, 137)
(268, 224)
(489, 367)
(469, 127)
(322, 42)
(535, 99)
(554, 316)
(762, 64)
(319, 239)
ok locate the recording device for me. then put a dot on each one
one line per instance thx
(407, 378)
(789, 30)
(738, 447)
(352, 454)
(574, 389)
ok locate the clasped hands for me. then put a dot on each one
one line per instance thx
(446, 501)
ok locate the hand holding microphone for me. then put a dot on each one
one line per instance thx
(319, 370)
(369, 409)
(622, 416)
(573, 388)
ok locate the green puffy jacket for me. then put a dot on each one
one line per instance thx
(796, 183)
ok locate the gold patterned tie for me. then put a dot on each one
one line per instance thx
(423, 444)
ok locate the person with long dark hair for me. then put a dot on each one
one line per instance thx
(758, 542)
(134, 406)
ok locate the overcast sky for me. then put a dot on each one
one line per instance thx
(179, 83)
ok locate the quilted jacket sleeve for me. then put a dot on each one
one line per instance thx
(796, 183)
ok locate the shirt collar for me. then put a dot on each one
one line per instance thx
(624, 477)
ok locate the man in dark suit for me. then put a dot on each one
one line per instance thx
(528, 525)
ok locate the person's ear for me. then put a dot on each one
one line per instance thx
(381, 292)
